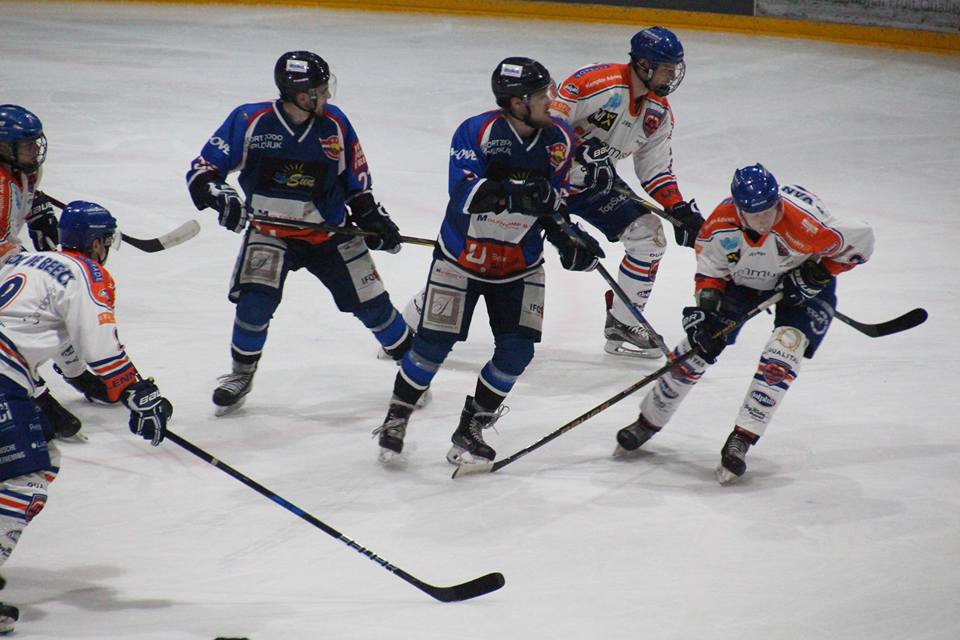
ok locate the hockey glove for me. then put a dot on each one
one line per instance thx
(805, 282)
(42, 224)
(594, 156)
(534, 197)
(369, 215)
(149, 411)
(701, 326)
(579, 251)
(233, 214)
(687, 222)
(61, 422)
(91, 387)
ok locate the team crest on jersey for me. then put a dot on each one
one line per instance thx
(332, 147)
(557, 153)
(603, 119)
(572, 89)
(653, 117)
(293, 176)
(733, 257)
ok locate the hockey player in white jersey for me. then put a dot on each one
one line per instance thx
(762, 238)
(47, 300)
(23, 149)
(621, 110)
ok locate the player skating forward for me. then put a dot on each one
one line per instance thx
(300, 161)
(763, 237)
(620, 110)
(23, 149)
(507, 179)
(46, 300)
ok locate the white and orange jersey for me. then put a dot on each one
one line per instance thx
(16, 200)
(726, 252)
(598, 103)
(51, 300)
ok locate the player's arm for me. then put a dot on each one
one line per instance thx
(206, 179)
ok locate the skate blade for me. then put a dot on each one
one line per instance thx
(390, 457)
(459, 456)
(230, 408)
(78, 438)
(627, 454)
(725, 476)
(383, 355)
(617, 348)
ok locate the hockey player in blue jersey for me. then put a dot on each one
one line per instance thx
(507, 181)
(300, 164)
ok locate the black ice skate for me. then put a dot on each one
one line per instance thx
(8, 618)
(231, 393)
(618, 334)
(632, 436)
(732, 457)
(64, 424)
(393, 429)
(468, 445)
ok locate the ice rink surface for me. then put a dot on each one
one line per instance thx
(847, 525)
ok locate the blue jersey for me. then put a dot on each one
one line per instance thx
(502, 246)
(291, 172)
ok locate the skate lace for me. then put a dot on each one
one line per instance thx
(486, 420)
(394, 425)
(737, 446)
(234, 382)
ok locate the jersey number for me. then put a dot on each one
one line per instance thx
(10, 288)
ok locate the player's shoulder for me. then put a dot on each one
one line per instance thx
(250, 110)
(97, 280)
(561, 129)
(593, 79)
(334, 112)
(722, 219)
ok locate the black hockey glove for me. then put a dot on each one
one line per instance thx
(701, 325)
(90, 386)
(579, 251)
(805, 282)
(594, 156)
(687, 222)
(369, 215)
(61, 423)
(233, 214)
(534, 197)
(149, 411)
(42, 224)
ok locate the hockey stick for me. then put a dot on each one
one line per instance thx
(490, 467)
(909, 320)
(350, 231)
(464, 591)
(617, 289)
(179, 235)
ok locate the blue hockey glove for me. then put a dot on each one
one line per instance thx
(233, 214)
(534, 197)
(149, 411)
(687, 222)
(42, 224)
(374, 218)
(594, 156)
(701, 325)
(579, 251)
(805, 282)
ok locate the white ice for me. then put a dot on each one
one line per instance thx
(847, 525)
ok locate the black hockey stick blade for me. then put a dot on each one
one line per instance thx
(471, 589)
(181, 234)
(909, 320)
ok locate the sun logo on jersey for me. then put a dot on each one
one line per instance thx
(293, 176)
(332, 147)
(557, 153)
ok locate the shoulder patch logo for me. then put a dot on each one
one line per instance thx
(653, 117)
(332, 147)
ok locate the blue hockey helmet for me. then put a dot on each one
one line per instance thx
(754, 189)
(299, 72)
(83, 222)
(649, 48)
(518, 77)
(22, 142)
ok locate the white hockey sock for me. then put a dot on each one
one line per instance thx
(778, 368)
(661, 402)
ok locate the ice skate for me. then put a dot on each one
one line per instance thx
(633, 341)
(732, 457)
(632, 436)
(392, 431)
(468, 445)
(232, 391)
(8, 618)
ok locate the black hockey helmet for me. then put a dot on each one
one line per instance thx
(298, 72)
(518, 77)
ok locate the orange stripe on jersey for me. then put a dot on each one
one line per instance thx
(99, 282)
(593, 80)
(723, 218)
(804, 233)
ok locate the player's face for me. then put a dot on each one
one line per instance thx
(763, 221)
(539, 105)
(663, 76)
(31, 153)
